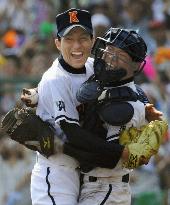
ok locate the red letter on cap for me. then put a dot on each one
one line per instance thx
(73, 17)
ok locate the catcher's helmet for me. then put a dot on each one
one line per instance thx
(127, 40)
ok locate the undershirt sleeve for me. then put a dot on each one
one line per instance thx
(89, 148)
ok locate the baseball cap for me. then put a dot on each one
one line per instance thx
(72, 18)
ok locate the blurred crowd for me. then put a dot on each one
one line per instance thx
(27, 32)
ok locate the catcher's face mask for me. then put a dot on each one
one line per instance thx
(116, 59)
(119, 55)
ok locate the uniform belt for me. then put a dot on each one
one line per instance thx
(125, 178)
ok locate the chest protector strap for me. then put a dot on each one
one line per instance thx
(118, 94)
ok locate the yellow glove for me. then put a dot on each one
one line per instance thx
(143, 143)
(137, 152)
(130, 135)
(153, 134)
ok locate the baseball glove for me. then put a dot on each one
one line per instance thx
(138, 154)
(25, 127)
(151, 134)
(144, 142)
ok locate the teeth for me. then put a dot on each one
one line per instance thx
(77, 53)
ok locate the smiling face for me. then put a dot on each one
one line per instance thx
(116, 58)
(75, 47)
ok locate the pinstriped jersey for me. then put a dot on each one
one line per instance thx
(57, 93)
(57, 100)
(113, 133)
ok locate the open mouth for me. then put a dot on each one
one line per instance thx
(77, 55)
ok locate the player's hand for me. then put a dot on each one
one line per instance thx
(152, 113)
(30, 97)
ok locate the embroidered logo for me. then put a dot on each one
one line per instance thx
(61, 106)
(46, 142)
(73, 17)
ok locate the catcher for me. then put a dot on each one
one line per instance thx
(73, 147)
(112, 98)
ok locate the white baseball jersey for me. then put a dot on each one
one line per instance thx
(137, 121)
(56, 180)
(108, 186)
(57, 95)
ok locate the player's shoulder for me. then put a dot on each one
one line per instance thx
(54, 74)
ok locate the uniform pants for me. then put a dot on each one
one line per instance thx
(105, 192)
(54, 185)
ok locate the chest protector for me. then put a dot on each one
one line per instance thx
(113, 108)
(111, 104)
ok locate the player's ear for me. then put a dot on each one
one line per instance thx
(58, 43)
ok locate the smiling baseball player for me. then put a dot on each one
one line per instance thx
(55, 180)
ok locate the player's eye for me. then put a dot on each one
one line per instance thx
(68, 38)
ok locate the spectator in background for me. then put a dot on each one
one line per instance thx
(101, 23)
(13, 41)
(9, 70)
(134, 18)
(12, 66)
(142, 188)
(161, 61)
(101, 20)
(158, 32)
(17, 15)
(16, 164)
(167, 12)
(158, 10)
(41, 12)
(163, 168)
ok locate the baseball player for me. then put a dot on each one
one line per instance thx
(55, 180)
(119, 56)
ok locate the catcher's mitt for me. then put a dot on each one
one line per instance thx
(25, 127)
(144, 142)
(151, 134)
(138, 153)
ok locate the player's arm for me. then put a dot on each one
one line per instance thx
(89, 148)
(92, 151)
(95, 150)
